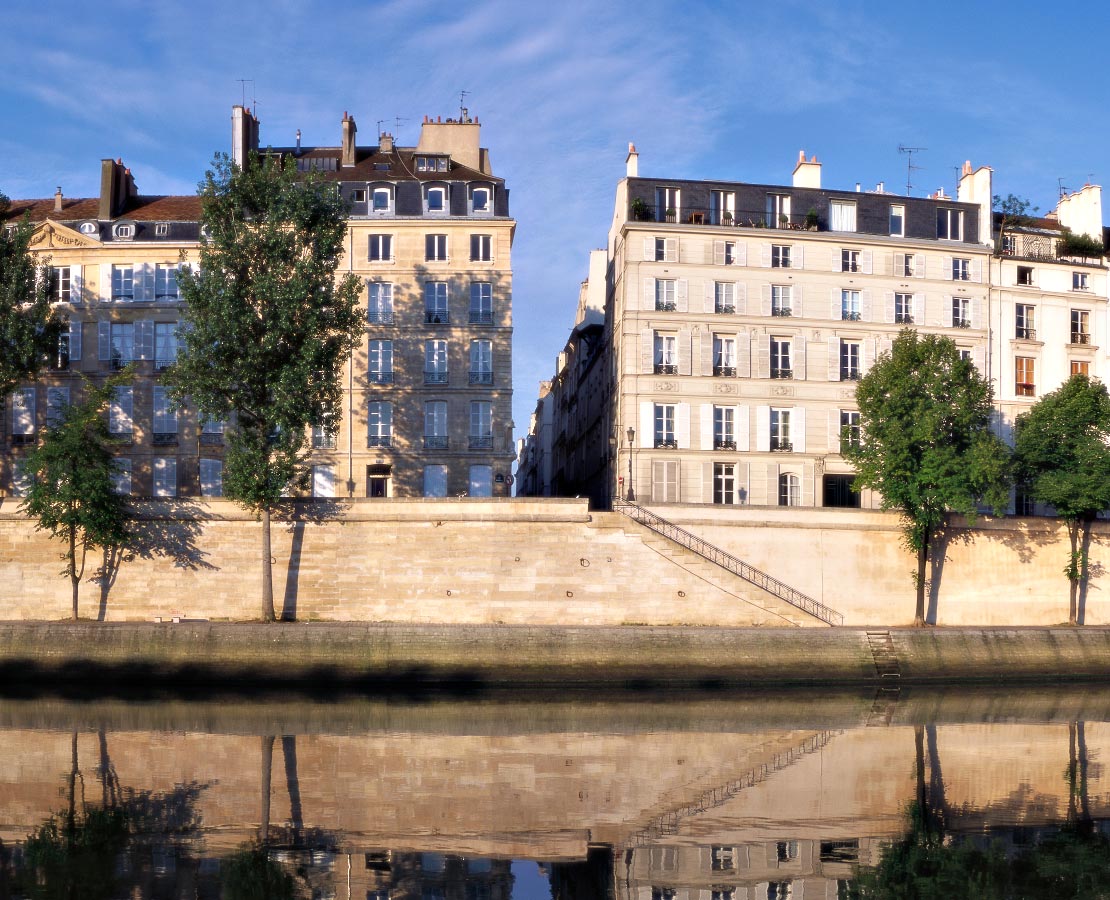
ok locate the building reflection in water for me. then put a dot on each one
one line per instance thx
(700, 799)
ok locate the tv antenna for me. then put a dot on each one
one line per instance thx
(1060, 184)
(910, 167)
(397, 120)
(462, 104)
(380, 121)
(243, 82)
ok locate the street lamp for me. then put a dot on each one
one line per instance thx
(631, 434)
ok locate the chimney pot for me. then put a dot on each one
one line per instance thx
(58, 199)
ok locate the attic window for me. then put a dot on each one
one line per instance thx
(124, 231)
(358, 195)
(88, 228)
(431, 164)
(161, 229)
(381, 167)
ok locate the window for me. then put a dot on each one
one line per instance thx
(379, 303)
(1079, 281)
(121, 476)
(722, 859)
(782, 300)
(1080, 326)
(60, 284)
(119, 412)
(431, 164)
(897, 220)
(668, 204)
(435, 362)
(961, 312)
(323, 481)
(849, 428)
(664, 295)
(323, 437)
(381, 248)
(961, 269)
(842, 215)
(57, 399)
(480, 485)
(435, 247)
(211, 432)
(730, 253)
(1009, 245)
(379, 355)
(165, 476)
(666, 354)
(724, 297)
(481, 362)
(435, 200)
(122, 344)
(435, 425)
(165, 282)
(481, 248)
(124, 231)
(665, 250)
(69, 345)
(211, 477)
(905, 265)
(481, 303)
(435, 481)
(88, 228)
(780, 430)
(849, 261)
(849, 361)
(379, 417)
(724, 428)
(838, 492)
(790, 494)
(780, 256)
(950, 224)
(382, 200)
(724, 355)
(358, 195)
(724, 484)
(162, 229)
(722, 207)
(1025, 275)
(164, 420)
(481, 425)
(1025, 381)
(664, 425)
(123, 283)
(435, 303)
(23, 415)
(1025, 322)
(778, 210)
(479, 200)
(780, 358)
(903, 309)
(849, 306)
(165, 345)
(1080, 367)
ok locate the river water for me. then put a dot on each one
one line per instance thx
(727, 796)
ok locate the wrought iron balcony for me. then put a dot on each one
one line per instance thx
(211, 439)
(782, 373)
(1080, 337)
(1025, 389)
(725, 371)
(23, 439)
(961, 323)
(783, 312)
(778, 444)
(379, 440)
(724, 309)
(432, 317)
(722, 444)
(849, 374)
(379, 316)
(641, 211)
(666, 443)
(1026, 334)
(481, 317)
(481, 377)
(666, 369)
(380, 377)
(903, 319)
(481, 442)
(435, 442)
(849, 316)
(435, 378)
(665, 306)
(164, 438)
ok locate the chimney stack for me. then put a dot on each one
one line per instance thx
(385, 143)
(244, 135)
(807, 174)
(116, 188)
(58, 199)
(297, 150)
(632, 162)
(348, 147)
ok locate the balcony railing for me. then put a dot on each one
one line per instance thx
(435, 442)
(1025, 389)
(848, 315)
(849, 374)
(665, 306)
(164, 438)
(1026, 334)
(23, 439)
(160, 365)
(1080, 337)
(641, 211)
(481, 317)
(778, 444)
(725, 371)
(481, 442)
(724, 309)
(666, 369)
(784, 312)
(323, 442)
(211, 439)
(435, 378)
(380, 377)
(961, 323)
(481, 377)
(380, 316)
(432, 317)
(903, 319)
(723, 444)
(379, 440)
(782, 373)
(665, 443)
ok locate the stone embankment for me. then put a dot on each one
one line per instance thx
(103, 656)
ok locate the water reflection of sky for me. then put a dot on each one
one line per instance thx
(528, 882)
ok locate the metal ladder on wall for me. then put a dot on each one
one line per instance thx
(726, 560)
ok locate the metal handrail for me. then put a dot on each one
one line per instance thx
(726, 560)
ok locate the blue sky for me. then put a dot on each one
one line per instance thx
(729, 90)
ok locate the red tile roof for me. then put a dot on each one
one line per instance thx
(141, 209)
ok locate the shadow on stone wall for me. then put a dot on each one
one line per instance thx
(297, 514)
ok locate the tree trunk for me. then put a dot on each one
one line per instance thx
(1073, 571)
(922, 560)
(267, 768)
(267, 569)
(73, 581)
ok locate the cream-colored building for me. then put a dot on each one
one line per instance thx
(427, 404)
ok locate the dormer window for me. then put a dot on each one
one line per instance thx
(382, 200)
(161, 229)
(88, 228)
(124, 231)
(435, 200)
(481, 201)
(358, 195)
(431, 164)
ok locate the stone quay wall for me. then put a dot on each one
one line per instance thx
(547, 562)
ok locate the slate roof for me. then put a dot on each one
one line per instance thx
(401, 164)
(139, 209)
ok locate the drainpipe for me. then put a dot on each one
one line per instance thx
(350, 384)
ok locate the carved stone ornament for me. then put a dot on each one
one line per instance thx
(847, 393)
(725, 389)
(667, 386)
(51, 235)
(781, 390)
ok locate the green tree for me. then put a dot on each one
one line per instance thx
(269, 326)
(1062, 459)
(71, 492)
(927, 447)
(1014, 212)
(29, 328)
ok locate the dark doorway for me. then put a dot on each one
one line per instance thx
(378, 480)
(838, 491)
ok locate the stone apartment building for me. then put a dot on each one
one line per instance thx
(427, 407)
(738, 318)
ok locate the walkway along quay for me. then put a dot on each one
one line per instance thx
(475, 658)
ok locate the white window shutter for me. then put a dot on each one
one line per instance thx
(718, 253)
(946, 261)
(919, 309)
(742, 437)
(105, 283)
(710, 298)
(798, 429)
(976, 270)
(74, 339)
(125, 396)
(899, 265)
(647, 424)
(705, 412)
(977, 357)
(681, 295)
(797, 305)
(885, 345)
(647, 351)
(682, 425)
(837, 259)
(948, 311)
(670, 250)
(976, 316)
(763, 356)
(649, 293)
(649, 249)
(763, 430)
(740, 254)
(865, 306)
(706, 343)
(707, 482)
(744, 355)
(104, 340)
(866, 258)
(743, 492)
(684, 360)
(796, 260)
(772, 479)
(834, 359)
(145, 338)
(807, 486)
(740, 297)
(765, 300)
(834, 431)
(866, 354)
(799, 348)
(76, 284)
(834, 303)
(147, 276)
(765, 256)
(888, 307)
(919, 265)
